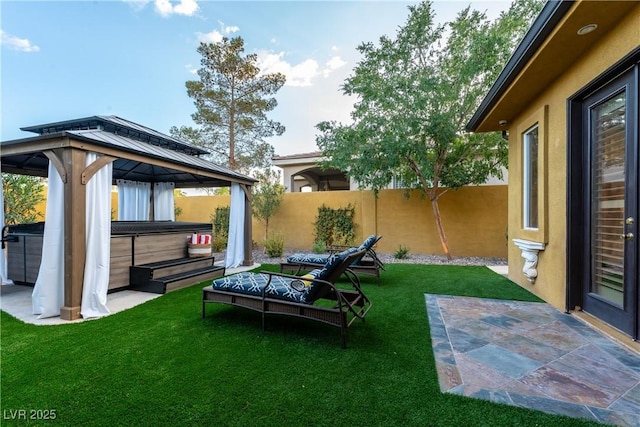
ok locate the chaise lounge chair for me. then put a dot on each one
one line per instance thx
(277, 293)
(368, 264)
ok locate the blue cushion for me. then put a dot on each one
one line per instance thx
(253, 284)
(285, 289)
(332, 263)
(226, 283)
(282, 287)
(323, 258)
(308, 258)
(315, 272)
(368, 242)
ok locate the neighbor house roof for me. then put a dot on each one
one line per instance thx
(312, 157)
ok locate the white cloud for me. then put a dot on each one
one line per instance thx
(213, 37)
(303, 73)
(229, 29)
(298, 75)
(333, 64)
(185, 7)
(190, 68)
(16, 43)
(137, 5)
(163, 7)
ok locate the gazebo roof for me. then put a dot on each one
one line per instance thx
(118, 126)
(142, 154)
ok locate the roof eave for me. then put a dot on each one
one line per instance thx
(550, 15)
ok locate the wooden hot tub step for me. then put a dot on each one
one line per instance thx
(173, 282)
(142, 273)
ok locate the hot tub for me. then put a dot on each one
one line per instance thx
(132, 243)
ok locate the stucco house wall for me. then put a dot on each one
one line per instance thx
(549, 109)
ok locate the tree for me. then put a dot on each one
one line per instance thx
(268, 194)
(232, 99)
(21, 195)
(415, 94)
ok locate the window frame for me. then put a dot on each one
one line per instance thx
(527, 182)
(539, 118)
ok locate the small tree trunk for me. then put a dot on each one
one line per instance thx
(266, 234)
(443, 237)
(232, 131)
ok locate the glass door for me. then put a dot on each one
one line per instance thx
(611, 285)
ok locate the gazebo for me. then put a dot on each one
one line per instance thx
(78, 149)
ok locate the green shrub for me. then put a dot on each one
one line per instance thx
(319, 247)
(335, 226)
(268, 194)
(220, 221)
(21, 195)
(401, 253)
(218, 243)
(274, 245)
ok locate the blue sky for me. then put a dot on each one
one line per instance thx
(62, 60)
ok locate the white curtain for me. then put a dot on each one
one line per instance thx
(98, 237)
(235, 245)
(4, 280)
(48, 292)
(133, 200)
(163, 209)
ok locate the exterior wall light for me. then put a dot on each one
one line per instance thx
(587, 29)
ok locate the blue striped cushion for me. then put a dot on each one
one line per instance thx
(368, 242)
(226, 283)
(285, 289)
(253, 284)
(308, 258)
(323, 274)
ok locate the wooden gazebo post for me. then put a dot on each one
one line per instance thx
(70, 163)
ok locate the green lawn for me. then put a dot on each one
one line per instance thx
(161, 364)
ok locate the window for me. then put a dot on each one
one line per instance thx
(397, 182)
(530, 178)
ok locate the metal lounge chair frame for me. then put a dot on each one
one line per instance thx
(348, 306)
(369, 264)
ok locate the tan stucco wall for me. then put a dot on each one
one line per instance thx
(551, 282)
(475, 219)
